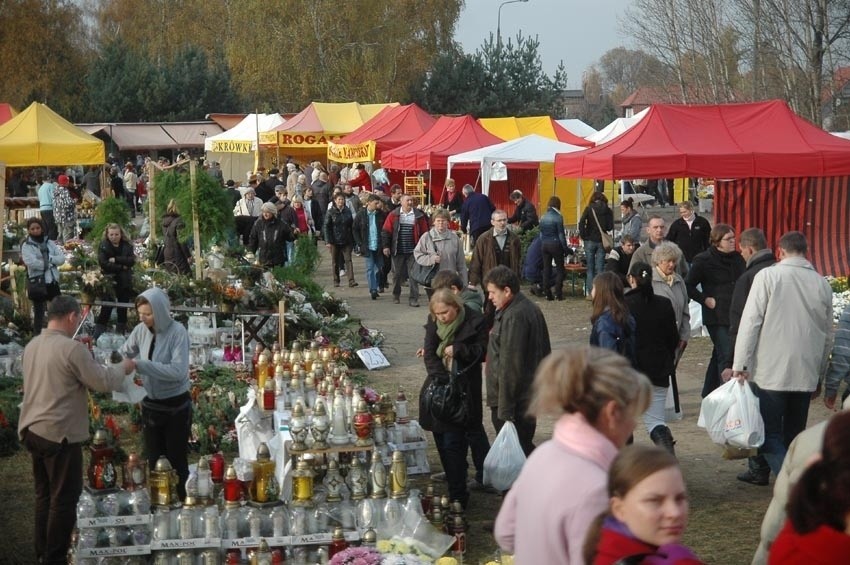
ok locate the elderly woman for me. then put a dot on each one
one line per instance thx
(269, 238)
(455, 345)
(247, 210)
(441, 246)
(598, 397)
(711, 282)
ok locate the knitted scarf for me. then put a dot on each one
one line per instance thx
(446, 332)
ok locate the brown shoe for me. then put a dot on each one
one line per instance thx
(352, 284)
(396, 300)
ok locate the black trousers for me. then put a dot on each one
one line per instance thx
(57, 469)
(525, 427)
(167, 425)
(243, 227)
(552, 250)
(121, 295)
(50, 229)
(452, 447)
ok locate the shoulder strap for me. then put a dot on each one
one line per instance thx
(598, 225)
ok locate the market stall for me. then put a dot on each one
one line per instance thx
(306, 135)
(783, 172)
(392, 127)
(236, 149)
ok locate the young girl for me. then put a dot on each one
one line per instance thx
(613, 326)
(116, 259)
(647, 514)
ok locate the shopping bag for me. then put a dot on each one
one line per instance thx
(505, 459)
(744, 426)
(731, 416)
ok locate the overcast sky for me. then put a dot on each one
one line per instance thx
(575, 31)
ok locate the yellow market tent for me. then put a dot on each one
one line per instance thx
(306, 135)
(39, 136)
(574, 193)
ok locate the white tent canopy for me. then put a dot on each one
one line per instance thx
(527, 149)
(616, 128)
(576, 127)
(234, 149)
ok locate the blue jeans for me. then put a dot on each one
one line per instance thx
(374, 265)
(595, 262)
(452, 447)
(721, 357)
(784, 415)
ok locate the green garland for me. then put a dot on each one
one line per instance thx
(211, 201)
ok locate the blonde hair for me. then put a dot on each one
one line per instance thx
(114, 226)
(172, 207)
(583, 379)
(447, 297)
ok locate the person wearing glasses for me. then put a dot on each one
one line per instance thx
(498, 246)
(715, 272)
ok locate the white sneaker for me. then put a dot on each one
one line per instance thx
(342, 273)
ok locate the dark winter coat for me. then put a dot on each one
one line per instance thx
(268, 240)
(525, 214)
(454, 204)
(121, 270)
(470, 347)
(608, 334)
(657, 334)
(476, 210)
(487, 255)
(760, 260)
(618, 261)
(175, 252)
(338, 228)
(361, 228)
(717, 272)
(518, 343)
(691, 240)
(588, 230)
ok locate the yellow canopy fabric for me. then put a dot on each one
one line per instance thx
(512, 128)
(39, 136)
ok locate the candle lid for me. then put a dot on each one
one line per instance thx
(263, 453)
(338, 534)
(203, 464)
(370, 536)
(230, 474)
(162, 465)
(398, 456)
(101, 437)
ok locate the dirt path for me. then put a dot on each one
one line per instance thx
(725, 514)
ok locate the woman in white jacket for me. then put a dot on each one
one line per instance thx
(440, 245)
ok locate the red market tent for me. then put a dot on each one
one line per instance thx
(786, 174)
(7, 112)
(392, 127)
(431, 150)
(756, 140)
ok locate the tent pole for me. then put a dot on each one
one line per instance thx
(151, 171)
(196, 230)
(257, 146)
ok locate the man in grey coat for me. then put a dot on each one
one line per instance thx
(783, 343)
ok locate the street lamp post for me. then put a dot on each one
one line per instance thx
(499, 21)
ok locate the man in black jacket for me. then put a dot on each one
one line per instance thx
(758, 256)
(525, 214)
(690, 232)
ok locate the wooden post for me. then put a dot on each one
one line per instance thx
(281, 309)
(196, 230)
(150, 171)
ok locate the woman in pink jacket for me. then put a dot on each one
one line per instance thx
(563, 485)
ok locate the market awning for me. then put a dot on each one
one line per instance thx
(129, 137)
(191, 134)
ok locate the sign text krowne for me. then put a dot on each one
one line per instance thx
(232, 146)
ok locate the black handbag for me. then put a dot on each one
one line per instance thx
(446, 401)
(423, 274)
(37, 289)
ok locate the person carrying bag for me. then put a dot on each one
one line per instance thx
(450, 403)
(41, 257)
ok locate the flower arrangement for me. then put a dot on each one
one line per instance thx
(838, 284)
(356, 556)
(96, 284)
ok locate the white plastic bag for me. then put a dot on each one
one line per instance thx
(505, 459)
(744, 426)
(730, 415)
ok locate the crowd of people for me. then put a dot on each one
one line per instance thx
(770, 324)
